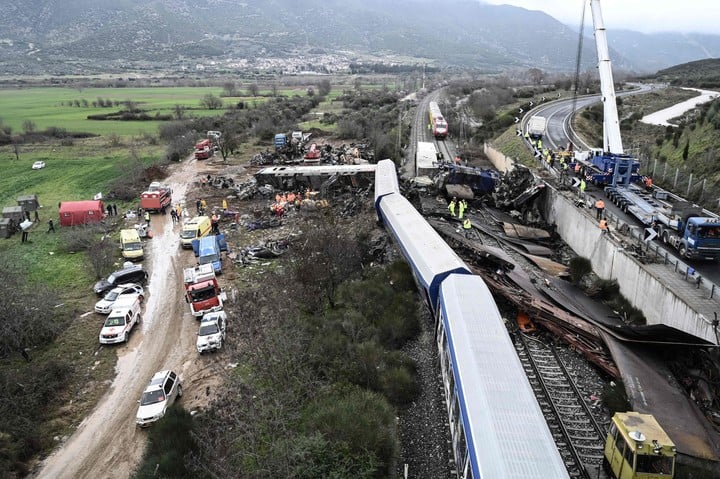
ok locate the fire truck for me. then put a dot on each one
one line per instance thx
(202, 291)
(157, 198)
(204, 149)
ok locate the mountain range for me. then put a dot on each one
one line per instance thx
(94, 36)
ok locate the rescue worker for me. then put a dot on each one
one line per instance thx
(451, 207)
(539, 144)
(178, 210)
(563, 170)
(467, 227)
(648, 183)
(462, 205)
(224, 207)
(604, 226)
(147, 218)
(203, 205)
(583, 185)
(599, 209)
(577, 169)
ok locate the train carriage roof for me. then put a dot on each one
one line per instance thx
(429, 256)
(505, 428)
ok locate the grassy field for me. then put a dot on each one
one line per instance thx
(72, 173)
(56, 107)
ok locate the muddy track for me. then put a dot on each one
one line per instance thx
(107, 443)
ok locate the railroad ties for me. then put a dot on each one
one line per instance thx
(579, 438)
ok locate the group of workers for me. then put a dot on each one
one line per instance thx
(461, 207)
(284, 201)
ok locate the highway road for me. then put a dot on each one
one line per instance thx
(559, 133)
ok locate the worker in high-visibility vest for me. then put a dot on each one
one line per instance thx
(604, 226)
(467, 226)
(599, 209)
(451, 207)
(462, 206)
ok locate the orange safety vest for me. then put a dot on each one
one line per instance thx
(603, 225)
(600, 204)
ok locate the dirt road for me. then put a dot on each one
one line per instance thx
(107, 443)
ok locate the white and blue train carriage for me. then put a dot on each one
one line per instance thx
(496, 425)
(430, 258)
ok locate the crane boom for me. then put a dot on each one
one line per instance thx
(612, 142)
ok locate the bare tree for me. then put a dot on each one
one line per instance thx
(253, 89)
(536, 76)
(211, 102)
(29, 312)
(324, 87)
(229, 89)
(29, 126)
(179, 112)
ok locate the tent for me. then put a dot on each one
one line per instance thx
(81, 212)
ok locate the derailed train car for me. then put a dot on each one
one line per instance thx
(496, 425)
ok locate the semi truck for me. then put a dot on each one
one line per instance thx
(157, 198)
(536, 127)
(693, 232)
(202, 291)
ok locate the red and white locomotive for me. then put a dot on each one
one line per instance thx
(438, 125)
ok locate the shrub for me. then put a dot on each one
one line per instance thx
(579, 268)
(361, 421)
(170, 441)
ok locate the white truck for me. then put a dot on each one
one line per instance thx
(119, 323)
(536, 127)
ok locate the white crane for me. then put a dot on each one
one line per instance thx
(612, 142)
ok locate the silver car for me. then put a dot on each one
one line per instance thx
(161, 392)
(105, 305)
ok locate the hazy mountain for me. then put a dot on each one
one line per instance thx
(88, 36)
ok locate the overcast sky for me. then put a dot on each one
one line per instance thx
(648, 16)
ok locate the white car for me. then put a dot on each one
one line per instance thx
(38, 165)
(161, 392)
(105, 305)
(211, 334)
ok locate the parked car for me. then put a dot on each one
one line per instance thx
(105, 305)
(38, 165)
(161, 392)
(211, 334)
(121, 320)
(132, 273)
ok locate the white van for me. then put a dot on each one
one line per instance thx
(124, 316)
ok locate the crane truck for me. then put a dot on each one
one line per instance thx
(693, 232)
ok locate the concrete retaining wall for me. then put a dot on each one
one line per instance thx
(638, 282)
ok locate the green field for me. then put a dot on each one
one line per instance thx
(55, 107)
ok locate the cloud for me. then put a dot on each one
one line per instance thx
(648, 16)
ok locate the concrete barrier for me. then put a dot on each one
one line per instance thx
(662, 297)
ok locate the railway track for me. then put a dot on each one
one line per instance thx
(579, 437)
